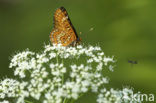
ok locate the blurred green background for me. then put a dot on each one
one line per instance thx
(123, 28)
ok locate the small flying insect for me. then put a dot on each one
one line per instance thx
(132, 62)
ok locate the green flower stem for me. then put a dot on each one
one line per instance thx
(62, 79)
(72, 101)
(65, 99)
(57, 58)
(62, 75)
(27, 101)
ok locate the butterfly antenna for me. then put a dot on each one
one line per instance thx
(91, 29)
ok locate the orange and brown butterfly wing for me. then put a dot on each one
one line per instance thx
(63, 32)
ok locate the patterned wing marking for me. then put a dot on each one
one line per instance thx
(63, 31)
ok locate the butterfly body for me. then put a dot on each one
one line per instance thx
(63, 32)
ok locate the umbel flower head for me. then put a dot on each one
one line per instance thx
(59, 75)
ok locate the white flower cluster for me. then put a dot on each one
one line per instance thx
(11, 88)
(8, 86)
(57, 75)
(117, 96)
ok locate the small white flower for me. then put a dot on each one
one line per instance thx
(90, 60)
(73, 67)
(4, 101)
(52, 55)
(107, 59)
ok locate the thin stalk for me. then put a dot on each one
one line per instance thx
(72, 101)
(27, 101)
(57, 58)
(64, 101)
(63, 74)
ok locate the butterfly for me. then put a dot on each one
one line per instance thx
(63, 32)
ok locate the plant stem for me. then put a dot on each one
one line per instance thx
(62, 75)
(57, 58)
(72, 101)
(62, 79)
(27, 101)
(64, 101)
